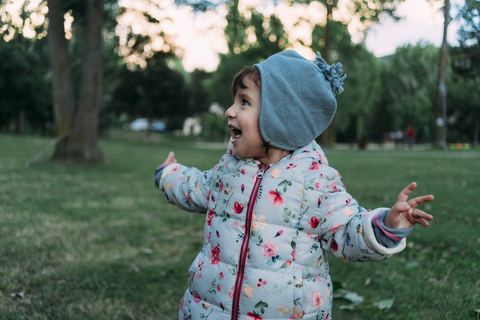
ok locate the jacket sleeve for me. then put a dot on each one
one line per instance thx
(346, 228)
(187, 188)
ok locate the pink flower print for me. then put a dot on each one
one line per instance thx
(174, 170)
(219, 288)
(230, 149)
(187, 197)
(288, 263)
(221, 186)
(334, 245)
(335, 228)
(317, 185)
(199, 276)
(237, 208)
(253, 316)
(317, 299)
(243, 171)
(216, 255)
(242, 187)
(277, 199)
(210, 215)
(235, 224)
(294, 253)
(181, 303)
(269, 249)
(291, 166)
(221, 275)
(333, 187)
(196, 297)
(314, 222)
(337, 173)
(314, 166)
(232, 292)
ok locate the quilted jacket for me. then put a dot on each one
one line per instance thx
(267, 233)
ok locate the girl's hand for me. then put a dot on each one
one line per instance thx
(403, 214)
(170, 158)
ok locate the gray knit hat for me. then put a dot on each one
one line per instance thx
(298, 98)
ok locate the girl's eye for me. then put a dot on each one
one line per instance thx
(245, 102)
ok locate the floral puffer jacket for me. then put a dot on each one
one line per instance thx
(267, 233)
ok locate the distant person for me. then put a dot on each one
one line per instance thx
(398, 139)
(274, 207)
(410, 136)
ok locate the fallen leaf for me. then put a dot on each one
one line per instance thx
(348, 295)
(413, 264)
(384, 304)
(20, 295)
(147, 251)
(347, 307)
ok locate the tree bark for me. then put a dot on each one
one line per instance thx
(81, 123)
(328, 30)
(62, 87)
(83, 142)
(439, 132)
(328, 137)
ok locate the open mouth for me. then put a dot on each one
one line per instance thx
(236, 133)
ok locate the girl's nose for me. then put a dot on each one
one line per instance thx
(230, 113)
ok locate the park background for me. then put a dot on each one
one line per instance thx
(85, 235)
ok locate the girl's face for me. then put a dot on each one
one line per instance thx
(243, 118)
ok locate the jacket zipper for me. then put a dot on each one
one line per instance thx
(244, 248)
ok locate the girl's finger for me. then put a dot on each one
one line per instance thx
(419, 200)
(403, 196)
(418, 216)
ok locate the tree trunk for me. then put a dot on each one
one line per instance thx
(441, 88)
(62, 87)
(81, 123)
(328, 137)
(328, 30)
(83, 141)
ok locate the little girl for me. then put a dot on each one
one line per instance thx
(274, 207)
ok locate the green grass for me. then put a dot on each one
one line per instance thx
(98, 241)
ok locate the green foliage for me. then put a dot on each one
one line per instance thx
(24, 85)
(463, 88)
(99, 241)
(362, 92)
(198, 97)
(214, 127)
(242, 52)
(156, 91)
(409, 82)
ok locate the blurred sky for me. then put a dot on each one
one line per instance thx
(422, 22)
(201, 36)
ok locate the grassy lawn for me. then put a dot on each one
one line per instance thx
(99, 242)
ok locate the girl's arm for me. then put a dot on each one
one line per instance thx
(347, 229)
(187, 188)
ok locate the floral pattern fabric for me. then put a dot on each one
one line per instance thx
(300, 210)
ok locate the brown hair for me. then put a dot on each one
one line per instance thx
(251, 72)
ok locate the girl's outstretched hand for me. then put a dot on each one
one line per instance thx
(403, 214)
(170, 158)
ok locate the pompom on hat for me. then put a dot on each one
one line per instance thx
(298, 98)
